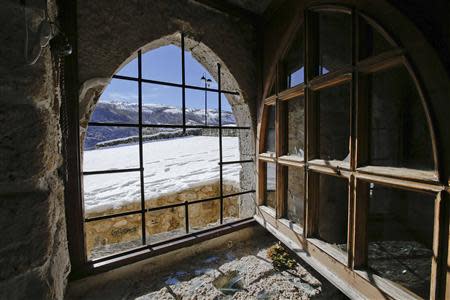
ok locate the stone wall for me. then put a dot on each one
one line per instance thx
(108, 39)
(34, 258)
(161, 224)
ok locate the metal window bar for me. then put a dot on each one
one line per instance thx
(133, 125)
(236, 162)
(187, 86)
(220, 143)
(100, 172)
(163, 207)
(141, 150)
(183, 88)
(140, 127)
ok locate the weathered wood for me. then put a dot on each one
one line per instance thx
(360, 219)
(362, 120)
(379, 29)
(439, 266)
(312, 205)
(381, 62)
(359, 283)
(262, 173)
(400, 183)
(268, 157)
(336, 165)
(402, 173)
(446, 260)
(357, 170)
(292, 93)
(291, 161)
(271, 100)
(331, 79)
(280, 149)
(439, 169)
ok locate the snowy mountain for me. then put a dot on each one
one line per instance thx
(124, 112)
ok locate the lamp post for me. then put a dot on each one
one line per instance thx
(207, 83)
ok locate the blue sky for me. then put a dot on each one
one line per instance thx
(164, 64)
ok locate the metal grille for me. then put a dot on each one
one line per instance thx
(143, 210)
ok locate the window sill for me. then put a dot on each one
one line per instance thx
(268, 210)
(338, 255)
(331, 167)
(268, 157)
(292, 226)
(404, 173)
(391, 288)
(293, 92)
(291, 160)
(137, 254)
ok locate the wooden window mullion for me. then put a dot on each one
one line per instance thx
(360, 221)
(311, 128)
(280, 149)
(439, 262)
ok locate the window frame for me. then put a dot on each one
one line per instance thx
(358, 170)
(82, 266)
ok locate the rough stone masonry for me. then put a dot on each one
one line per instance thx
(34, 258)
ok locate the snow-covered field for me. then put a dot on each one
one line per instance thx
(169, 166)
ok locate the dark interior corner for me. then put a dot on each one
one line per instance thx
(187, 149)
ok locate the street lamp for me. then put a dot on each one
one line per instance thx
(207, 83)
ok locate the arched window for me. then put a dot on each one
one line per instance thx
(347, 158)
(162, 157)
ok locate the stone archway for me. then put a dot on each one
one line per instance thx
(92, 89)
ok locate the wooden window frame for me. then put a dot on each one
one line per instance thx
(358, 171)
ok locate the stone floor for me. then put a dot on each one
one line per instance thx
(210, 275)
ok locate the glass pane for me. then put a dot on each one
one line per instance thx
(399, 135)
(400, 231)
(204, 215)
(165, 224)
(372, 42)
(162, 64)
(270, 195)
(230, 146)
(118, 103)
(181, 168)
(293, 63)
(233, 207)
(228, 117)
(295, 195)
(335, 41)
(333, 211)
(111, 236)
(107, 148)
(270, 131)
(295, 127)
(108, 194)
(334, 123)
(202, 108)
(231, 179)
(130, 69)
(161, 104)
(195, 72)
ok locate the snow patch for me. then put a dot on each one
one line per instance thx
(170, 166)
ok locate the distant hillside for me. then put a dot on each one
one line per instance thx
(123, 112)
